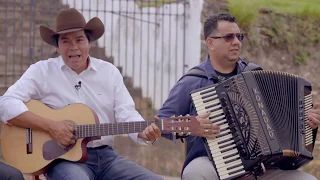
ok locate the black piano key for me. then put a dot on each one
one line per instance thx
(229, 149)
(212, 105)
(230, 155)
(236, 171)
(223, 134)
(217, 115)
(208, 100)
(231, 160)
(207, 91)
(218, 120)
(213, 110)
(223, 129)
(234, 166)
(209, 95)
(225, 140)
(226, 145)
(221, 123)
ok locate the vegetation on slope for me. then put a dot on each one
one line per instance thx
(291, 25)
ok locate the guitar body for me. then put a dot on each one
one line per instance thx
(44, 150)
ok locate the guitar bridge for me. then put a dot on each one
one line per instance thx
(29, 140)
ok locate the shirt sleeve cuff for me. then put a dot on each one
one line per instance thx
(15, 108)
(134, 137)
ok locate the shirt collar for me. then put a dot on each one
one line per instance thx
(211, 73)
(90, 66)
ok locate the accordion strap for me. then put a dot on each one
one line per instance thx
(202, 74)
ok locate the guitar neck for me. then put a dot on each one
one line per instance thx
(106, 129)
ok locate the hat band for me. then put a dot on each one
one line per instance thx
(69, 29)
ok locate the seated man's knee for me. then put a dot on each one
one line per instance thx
(67, 170)
(200, 168)
(309, 177)
(10, 173)
(15, 174)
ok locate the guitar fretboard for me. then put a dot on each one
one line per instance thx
(93, 130)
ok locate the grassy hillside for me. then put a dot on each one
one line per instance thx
(247, 11)
(290, 25)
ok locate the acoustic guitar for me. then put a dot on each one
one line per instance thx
(32, 151)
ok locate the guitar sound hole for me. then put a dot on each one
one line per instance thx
(51, 150)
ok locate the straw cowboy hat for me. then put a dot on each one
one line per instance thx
(71, 20)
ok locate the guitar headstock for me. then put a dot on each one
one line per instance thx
(182, 125)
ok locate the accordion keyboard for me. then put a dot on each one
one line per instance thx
(224, 152)
(308, 104)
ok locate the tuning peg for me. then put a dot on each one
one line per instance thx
(174, 137)
(173, 116)
(187, 119)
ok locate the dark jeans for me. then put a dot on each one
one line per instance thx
(9, 173)
(102, 163)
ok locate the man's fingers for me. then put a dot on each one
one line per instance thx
(70, 127)
(148, 133)
(156, 118)
(311, 124)
(204, 115)
(152, 133)
(156, 129)
(314, 117)
(210, 132)
(211, 137)
(209, 126)
(316, 106)
(206, 126)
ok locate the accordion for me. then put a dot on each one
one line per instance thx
(262, 117)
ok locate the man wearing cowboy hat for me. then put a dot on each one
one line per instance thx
(76, 77)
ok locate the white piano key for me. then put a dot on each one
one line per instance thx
(212, 113)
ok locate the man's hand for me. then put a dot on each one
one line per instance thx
(150, 133)
(206, 129)
(62, 132)
(314, 116)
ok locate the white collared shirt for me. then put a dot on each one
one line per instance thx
(53, 83)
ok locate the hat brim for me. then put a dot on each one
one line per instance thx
(94, 26)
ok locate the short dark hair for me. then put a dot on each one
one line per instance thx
(86, 32)
(211, 24)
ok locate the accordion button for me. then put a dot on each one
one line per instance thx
(242, 152)
(236, 139)
(239, 144)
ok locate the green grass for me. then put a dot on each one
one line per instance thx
(246, 10)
